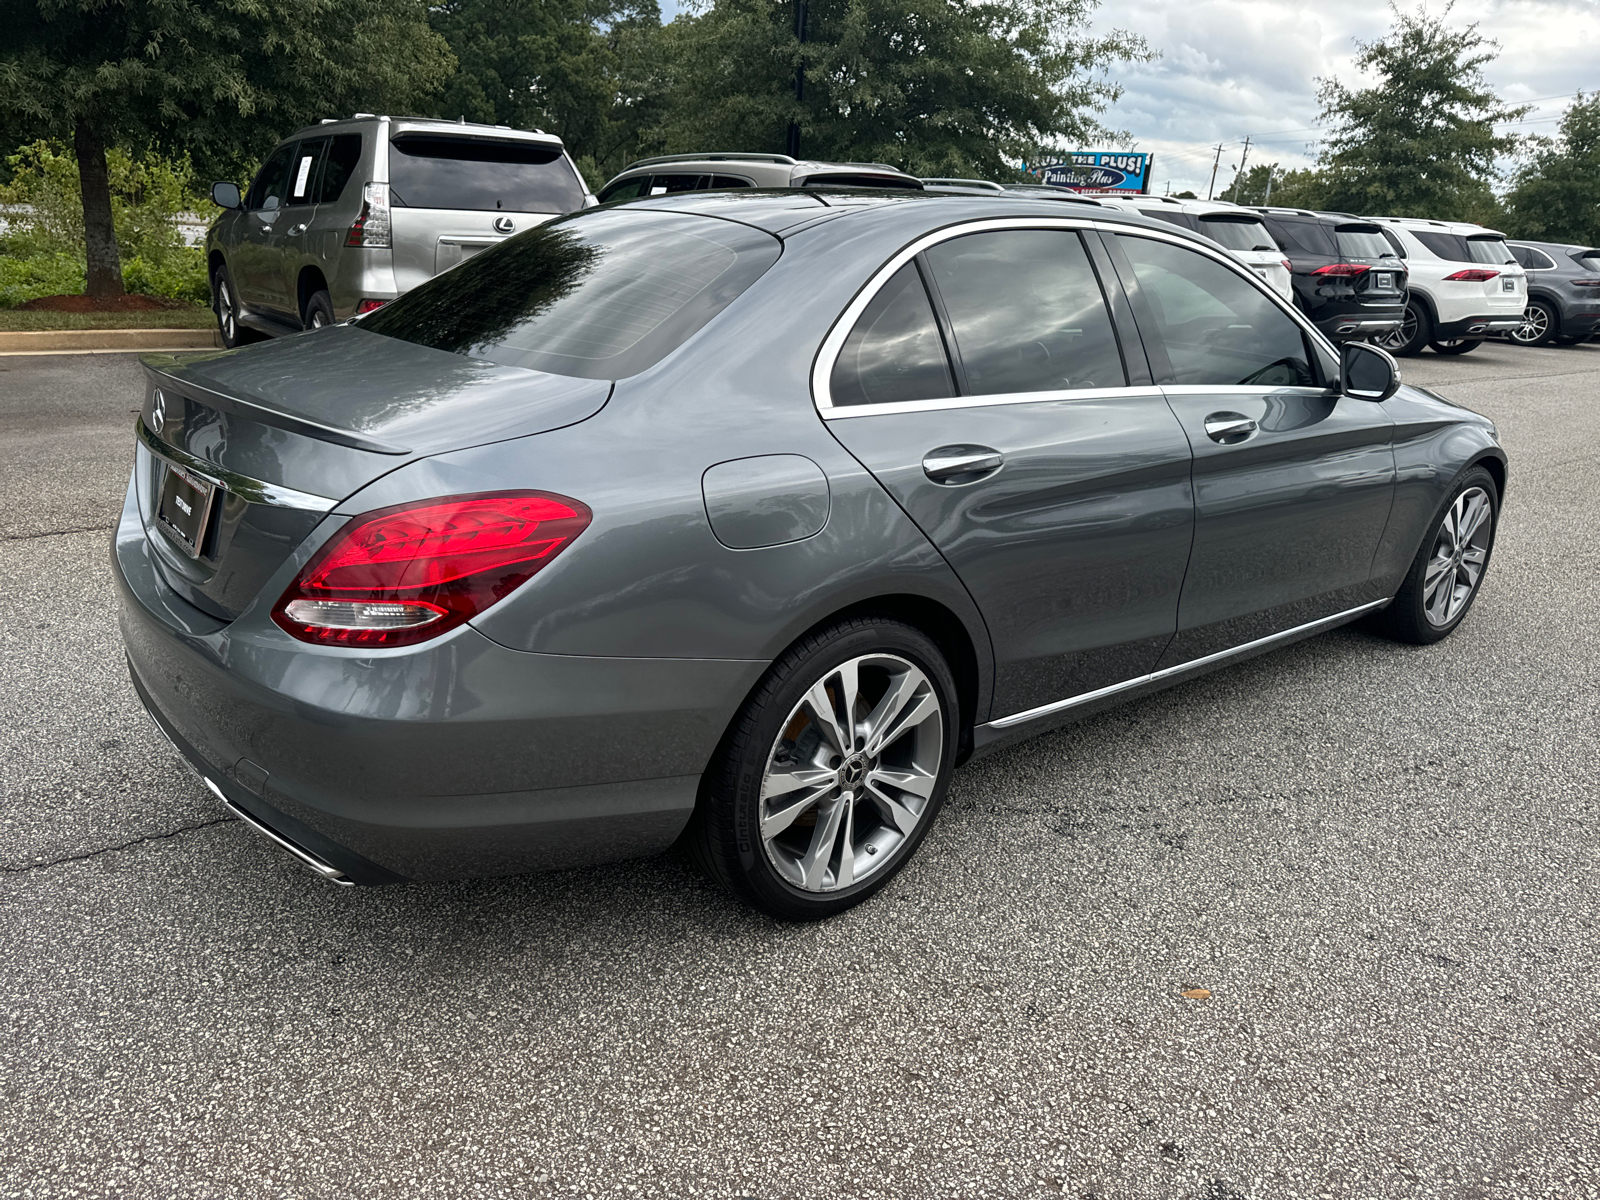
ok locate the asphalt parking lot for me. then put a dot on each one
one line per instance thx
(1382, 862)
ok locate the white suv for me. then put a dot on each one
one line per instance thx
(1238, 230)
(1465, 285)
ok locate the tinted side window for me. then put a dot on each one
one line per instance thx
(895, 351)
(1537, 260)
(1218, 328)
(662, 185)
(1393, 239)
(628, 189)
(1026, 311)
(728, 181)
(272, 180)
(1181, 220)
(1303, 235)
(1444, 245)
(303, 172)
(338, 165)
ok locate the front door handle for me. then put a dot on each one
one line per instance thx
(961, 464)
(294, 229)
(1229, 428)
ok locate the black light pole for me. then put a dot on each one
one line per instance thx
(799, 76)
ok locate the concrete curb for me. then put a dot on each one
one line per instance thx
(66, 341)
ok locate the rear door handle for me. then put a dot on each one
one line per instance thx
(961, 464)
(294, 229)
(1229, 427)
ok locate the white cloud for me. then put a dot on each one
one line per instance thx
(1231, 68)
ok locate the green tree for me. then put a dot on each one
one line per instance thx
(217, 80)
(1557, 192)
(931, 86)
(581, 69)
(1421, 141)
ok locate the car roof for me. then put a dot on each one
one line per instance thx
(1564, 247)
(782, 211)
(1465, 228)
(432, 124)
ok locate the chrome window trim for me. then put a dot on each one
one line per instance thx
(255, 491)
(1045, 710)
(833, 343)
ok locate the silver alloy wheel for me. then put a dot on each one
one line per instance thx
(1449, 341)
(318, 318)
(1535, 325)
(1459, 554)
(225, 313)
(851, 773)
(1399, 338)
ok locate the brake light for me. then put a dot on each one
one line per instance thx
(1288, 266)
(406, 574)
(1344, 270)
(367, 306)
(371, 227)
(1584, 282)
(1472, 275)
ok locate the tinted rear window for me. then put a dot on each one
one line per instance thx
(1490, 251)
(849, 180)
(1303, 235)
(448, 171)
(1362, 241)
(1235, 234)
(338, 165)
(601, 296)
(1181, 220)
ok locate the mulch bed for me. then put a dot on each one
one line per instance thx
(134, 302)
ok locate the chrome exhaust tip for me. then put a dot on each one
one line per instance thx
(319, 867)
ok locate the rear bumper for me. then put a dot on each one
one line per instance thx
(1581, 321)
(1477, 326)
(1360, 325)
(458, 758)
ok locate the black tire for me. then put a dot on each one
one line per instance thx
(1540, 325)
(1457, 346)
(1565, 339)
(319, 311)
(225, 303)
(1407, 619)
(724, 835)
(1412, 336)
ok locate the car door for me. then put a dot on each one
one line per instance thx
(289, 242)
(984, 386)
(257, 273)
(1292, 481)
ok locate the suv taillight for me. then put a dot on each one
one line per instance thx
(1343, 269)
(1584, 282)
(406, 574)
(1473, 275)
(371, 227)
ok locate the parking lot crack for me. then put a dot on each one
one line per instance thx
(128, 845)
(28, 537)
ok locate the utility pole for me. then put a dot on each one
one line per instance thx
(1267, 199)
(1213, 184)
(799, 76)
(1238, 175)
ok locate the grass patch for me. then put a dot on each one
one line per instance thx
(13, 321)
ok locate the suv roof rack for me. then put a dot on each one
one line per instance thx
(716, 156)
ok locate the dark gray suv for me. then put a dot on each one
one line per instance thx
(1563, 293)
(742, 519)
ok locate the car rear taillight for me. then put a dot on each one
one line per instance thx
(371, 227)
(1288, 266)
(1472, 275)
(1344, 270)
(1594, 283)
(367, 306)
(406, 574)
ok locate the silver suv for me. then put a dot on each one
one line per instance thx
(704, 172)
(346, 215)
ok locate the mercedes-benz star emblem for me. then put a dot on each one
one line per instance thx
(504, 224)
(158, 411)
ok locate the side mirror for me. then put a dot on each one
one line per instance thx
(1366, 372)
(225, 195)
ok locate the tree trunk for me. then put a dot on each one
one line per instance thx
(99, 232)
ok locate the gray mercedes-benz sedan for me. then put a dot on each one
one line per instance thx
(742, 519)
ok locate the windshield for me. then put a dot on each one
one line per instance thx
(1238, 235)
(428, 170)
(1491, 251)
(600, 296)
(1363, 241)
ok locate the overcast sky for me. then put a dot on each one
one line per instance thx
(1234, 67)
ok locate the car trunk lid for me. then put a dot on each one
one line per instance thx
(242, 453)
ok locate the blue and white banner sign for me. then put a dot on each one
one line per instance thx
(1100, 171)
